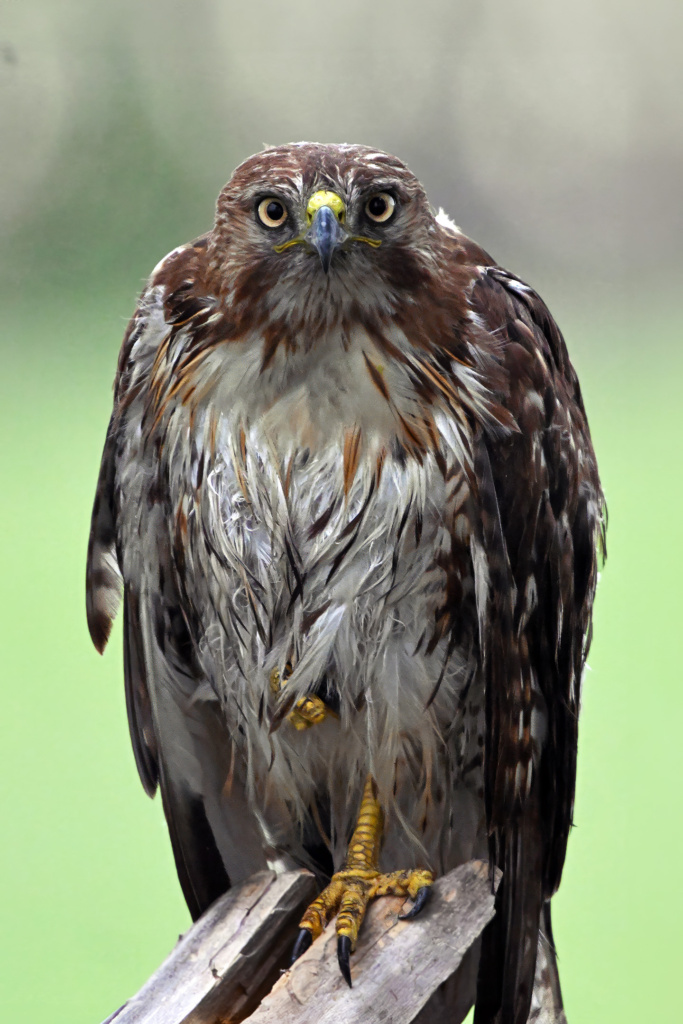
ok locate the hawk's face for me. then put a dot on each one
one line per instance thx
(316, 229)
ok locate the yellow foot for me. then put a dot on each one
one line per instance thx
(308, 710)
(347, 896)
(351, 889)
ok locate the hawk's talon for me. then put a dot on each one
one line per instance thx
(309, 710)
(350, 890)
(423, 894)
(303, 942)
(343, 955)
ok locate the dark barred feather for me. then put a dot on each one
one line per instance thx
(103, 578)
(550, 510)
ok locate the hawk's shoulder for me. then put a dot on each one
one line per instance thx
(175, 293)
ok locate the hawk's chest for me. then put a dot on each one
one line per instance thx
(336, 522)
(317, 537)
(316, 553)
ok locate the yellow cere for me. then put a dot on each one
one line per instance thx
(323, 198)
(336, 204)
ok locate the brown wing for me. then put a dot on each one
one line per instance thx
(543, 516)
(552, 520)
(103, 595)
(156, 644)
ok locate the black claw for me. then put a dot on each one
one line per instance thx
(423, 895)
(303, 941)
(343, 954)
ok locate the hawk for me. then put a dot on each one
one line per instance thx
(349, 494)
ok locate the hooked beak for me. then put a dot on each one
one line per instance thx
(325, 235)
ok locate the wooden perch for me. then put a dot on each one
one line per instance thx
(223, 968)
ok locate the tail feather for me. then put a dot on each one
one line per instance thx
(509, 946)
(546, 1004)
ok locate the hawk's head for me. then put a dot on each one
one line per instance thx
(327, 301)
(315, 226)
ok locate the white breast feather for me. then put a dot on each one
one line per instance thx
(275, 467)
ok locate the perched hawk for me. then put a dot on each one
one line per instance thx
(349, 490)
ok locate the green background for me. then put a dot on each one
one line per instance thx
(90, 903)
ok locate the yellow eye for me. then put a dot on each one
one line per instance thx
(272, 212)
(380, 207)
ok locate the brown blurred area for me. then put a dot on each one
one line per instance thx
(550, 132)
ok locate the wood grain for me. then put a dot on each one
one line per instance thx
(397, 966)
(229, 959)
(229, 966)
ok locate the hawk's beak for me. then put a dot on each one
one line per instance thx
(325, 233)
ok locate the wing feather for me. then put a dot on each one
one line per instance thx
(541, 485)
(103, 576)
(138, 700)
(172, 732)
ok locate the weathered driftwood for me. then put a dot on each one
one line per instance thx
(228, 960)
(224, 966)
(397, 965)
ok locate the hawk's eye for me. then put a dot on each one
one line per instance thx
(272, 212)
(380, 207)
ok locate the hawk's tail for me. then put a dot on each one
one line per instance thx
(507, 968)
(546, 1002)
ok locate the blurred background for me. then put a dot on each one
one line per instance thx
(552, 133)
